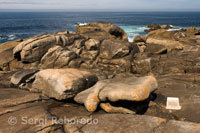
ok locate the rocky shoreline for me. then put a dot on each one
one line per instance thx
(96, 75)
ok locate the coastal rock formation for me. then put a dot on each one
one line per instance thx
(62, 84)
(153, 27)
(34, 48)
(57, 57)
(140, 42)
(167, 53)
(20, 76)
(170, 39)
(113, 90)
(122, 85)
(102, 30)
(6, 54)
(111, 54)
(193, 31)
(114, 49)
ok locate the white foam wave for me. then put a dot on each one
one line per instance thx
(8, 37)
(175, 29)
(11, 37)
(82, 24)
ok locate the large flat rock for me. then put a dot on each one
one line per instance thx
(186, 88)
(13, 97)
(63, 84)
(34, 118)
(119, 123)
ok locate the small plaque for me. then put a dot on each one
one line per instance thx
(173, 103)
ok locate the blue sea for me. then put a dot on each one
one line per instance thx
(17, 25)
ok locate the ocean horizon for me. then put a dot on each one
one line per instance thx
(19, 25)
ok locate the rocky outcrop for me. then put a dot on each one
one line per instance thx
(34, 48)
(114, 49)
(102, 30)
(111, 53)
(173, 62)
(130, 89)
(6, 54)
(57, 57)
(169, 39)
(168, 52)
(153, 27)
(140, 42)
(102, 49)
(193, 31)
(20, 76)
(62, 84)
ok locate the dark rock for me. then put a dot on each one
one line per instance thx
(156, 49)
(92, 44)
(13, 97)
(5, 77)
(20, 76)
(6, 58)
(154, 26)
(139, 39)
(141, 64)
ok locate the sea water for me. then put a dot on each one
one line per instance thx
(17, 25)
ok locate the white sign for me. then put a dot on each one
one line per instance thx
(173, 103)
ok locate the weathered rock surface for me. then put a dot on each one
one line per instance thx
(130, 89)
(132, 123)
(114, 49)
(102, 30)
(57, 57)
(12, 97)
(172, 57)
(92, 44)
(153, 27)
(62, 84)
(170, 39)
(6, 54)
(186, 88)
(31, 118)
(5, 77)
(168, 52)
(186, 61)
(193, 31)
(34, 48)
(107, 49)
(20, 76)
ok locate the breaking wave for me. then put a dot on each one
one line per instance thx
(81, 24)
(133, 31)
(4, 38)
